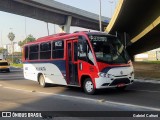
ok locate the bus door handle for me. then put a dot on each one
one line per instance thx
(80, 66)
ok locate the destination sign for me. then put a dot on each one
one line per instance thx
(98, 38)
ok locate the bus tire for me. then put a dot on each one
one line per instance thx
(88, 86)
(41, 81)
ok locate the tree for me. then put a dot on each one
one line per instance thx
(2, 49)
(28, 39)
(11, 37)
(20, 43)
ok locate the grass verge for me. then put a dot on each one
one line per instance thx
(17, 65)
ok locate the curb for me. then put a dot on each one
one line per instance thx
(147, 81)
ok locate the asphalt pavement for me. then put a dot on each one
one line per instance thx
(18, 94)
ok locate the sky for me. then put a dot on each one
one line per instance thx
(16, 24)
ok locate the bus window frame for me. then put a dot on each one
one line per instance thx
(38, 52)
(25, 58)
(45, 51)
(63, 49)
(51, 41)
(64, 39)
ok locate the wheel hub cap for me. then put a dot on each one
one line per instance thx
(89, 86)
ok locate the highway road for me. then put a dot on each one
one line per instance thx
(18, 94)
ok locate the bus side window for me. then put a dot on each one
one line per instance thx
(33, 53)
(45, 50)
(58, 49)
(26, 52)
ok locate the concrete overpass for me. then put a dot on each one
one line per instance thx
(54, 12)
(140, 19)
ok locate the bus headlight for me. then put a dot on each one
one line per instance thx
(105, 75)
(102, 74)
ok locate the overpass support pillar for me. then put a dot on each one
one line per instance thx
(66, 27)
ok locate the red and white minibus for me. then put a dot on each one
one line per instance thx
(91, 60)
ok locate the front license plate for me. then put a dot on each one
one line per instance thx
(121, 85)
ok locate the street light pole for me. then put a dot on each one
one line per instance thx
(100, 19)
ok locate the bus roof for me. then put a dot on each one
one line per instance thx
(64, 35)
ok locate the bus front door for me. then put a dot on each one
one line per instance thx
(71, 65)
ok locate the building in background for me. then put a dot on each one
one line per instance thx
(3, 54)
(8, 47)
(152, 55)
(141, 57)
(17, 48)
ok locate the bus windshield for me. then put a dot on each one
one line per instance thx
(109, 49)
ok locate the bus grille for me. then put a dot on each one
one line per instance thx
(119, 81)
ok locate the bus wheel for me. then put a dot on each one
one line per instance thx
(88, 86)
(42, 81)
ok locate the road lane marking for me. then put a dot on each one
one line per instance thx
(112, 103)
(18, 89)
(46, 93)
(61, 95)
(69, 96)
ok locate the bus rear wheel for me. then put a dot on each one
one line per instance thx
(88, 86)
(41, 81)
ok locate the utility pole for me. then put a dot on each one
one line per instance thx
(47, 28)
(25, 29)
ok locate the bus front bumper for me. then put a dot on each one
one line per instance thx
(112, 83)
